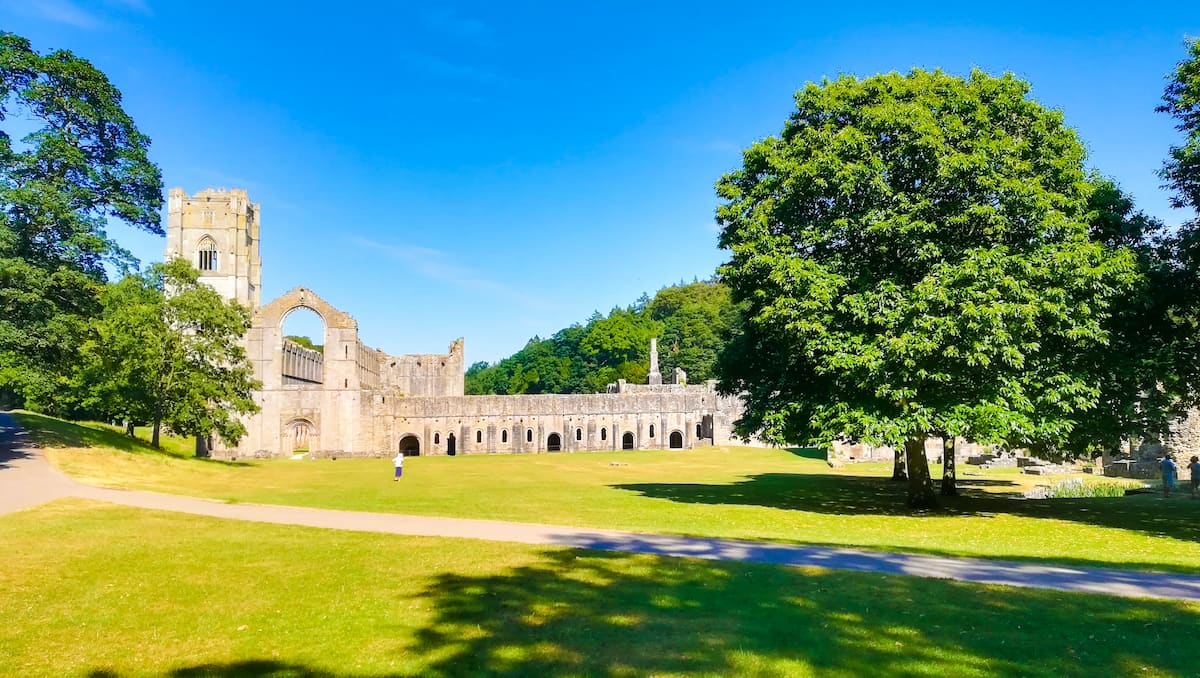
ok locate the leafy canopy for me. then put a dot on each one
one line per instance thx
(167, 350)
(914, 251)
(83, 163)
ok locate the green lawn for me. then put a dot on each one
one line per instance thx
(725, 492)
(102, 591)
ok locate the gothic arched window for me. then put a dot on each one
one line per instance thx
(208, 254)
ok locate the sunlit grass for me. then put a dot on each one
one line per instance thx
(95, 590)
(724, 492)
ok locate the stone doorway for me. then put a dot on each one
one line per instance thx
(627, 441)
(410, 446)
(676, 440)
(554, 443)
(300, 432)
(451, 447)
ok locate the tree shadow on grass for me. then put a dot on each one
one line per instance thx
(855, 495)
(820, 493)
(587, 613)
(257, 668)
(818, 453)
(573, 612)
(45, 431)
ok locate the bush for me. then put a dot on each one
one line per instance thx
(1075, 488)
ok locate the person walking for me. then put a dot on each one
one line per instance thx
(1194, 469)
(399, 463)
(1169, 473)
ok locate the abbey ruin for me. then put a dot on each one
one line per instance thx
(348, 399)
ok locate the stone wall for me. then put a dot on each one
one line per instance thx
(933, 451)
(427, 374)
(353, 400)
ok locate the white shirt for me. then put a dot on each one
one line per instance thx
(399, 460)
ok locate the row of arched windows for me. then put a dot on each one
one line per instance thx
(437, 439)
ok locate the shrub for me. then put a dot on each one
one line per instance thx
(1075, 488)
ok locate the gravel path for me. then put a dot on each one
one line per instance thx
(27, 479)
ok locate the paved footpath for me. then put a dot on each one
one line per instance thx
(27, 479)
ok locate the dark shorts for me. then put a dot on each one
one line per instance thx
(399, 470)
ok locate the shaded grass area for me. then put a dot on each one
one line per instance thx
(743, 493)
(48, 431)
(113, 591)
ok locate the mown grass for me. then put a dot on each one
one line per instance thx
(101, 591)
(53, 432)
(723, 492)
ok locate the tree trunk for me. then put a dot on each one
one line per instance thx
(129, 428)
(154, 433)
(898, 466)
(949, 471)
(920, 485)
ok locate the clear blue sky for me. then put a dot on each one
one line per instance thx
(497, 170)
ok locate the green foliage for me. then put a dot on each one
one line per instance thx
(84, 163)
(1075, 488)
(1181, 101)
(691, 322)
(1148, 374)
(305, 342)
(166, 350)
(915, 253)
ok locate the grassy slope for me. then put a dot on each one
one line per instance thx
(743, 493)
(110, 591)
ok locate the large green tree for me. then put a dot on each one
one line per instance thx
(915, 256)
(696, 321)
(1148, 373)
(166, 350)
(1182, 102)
(83, 163)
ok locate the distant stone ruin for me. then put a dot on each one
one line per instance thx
(349, 399)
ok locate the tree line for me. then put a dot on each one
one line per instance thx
(691, 321)
(155, 347)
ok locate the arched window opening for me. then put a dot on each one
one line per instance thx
(699, 431)
(302, 354)
(578, 434)
(529, 435)
(410, 446)
(603, 434)
(627, 441)
(479, 436)
(437, 438)
(676, 440)
(554, 443)
(208, 255)
(504, 436)
(651, 430)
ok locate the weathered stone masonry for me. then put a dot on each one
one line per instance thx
(352, 400)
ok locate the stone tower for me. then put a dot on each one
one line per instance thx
(217, 230)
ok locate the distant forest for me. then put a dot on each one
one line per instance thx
(691, 321)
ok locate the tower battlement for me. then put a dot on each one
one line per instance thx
(217, 230)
